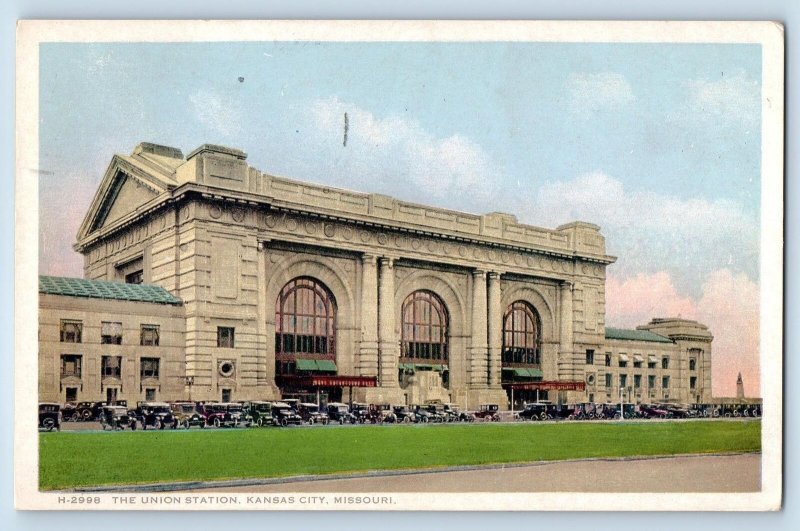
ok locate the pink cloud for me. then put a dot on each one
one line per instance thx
(728, 306)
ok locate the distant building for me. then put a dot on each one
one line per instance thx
(279, 287)
(739, 387)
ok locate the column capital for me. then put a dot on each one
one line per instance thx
(369, 258)
(494, 275)
(479, 273)
(387, 261)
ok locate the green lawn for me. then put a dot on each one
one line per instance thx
(72, 459)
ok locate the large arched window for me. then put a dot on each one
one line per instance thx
(305, 321)
(521, 335)
(425, 327)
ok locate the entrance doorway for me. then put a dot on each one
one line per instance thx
(111, 396)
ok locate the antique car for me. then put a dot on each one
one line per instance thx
(284, 415)
(360, 412)
(559, 411)
(238, 415)
(677, 411)
(187, 415)
(404, 414)
(88, 411)
(455, 414)
(117, 418)
(534, 411)
(311, 413)
(488, 412)
(436, 412)
(292, 402)
(155, 415)
(260, 412)
(338, 412)
(50, 416)
(226, 415)
(383, 413)
(650, 411)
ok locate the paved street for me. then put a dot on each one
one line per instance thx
(732, 473)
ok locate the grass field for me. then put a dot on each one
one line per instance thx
(83, 459)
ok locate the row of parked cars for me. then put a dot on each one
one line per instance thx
(591, 411)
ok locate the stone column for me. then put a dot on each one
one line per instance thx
(389, 348)
(368, 348)
(261, 288)
(495, 329)
(478, 346)
(566, 340)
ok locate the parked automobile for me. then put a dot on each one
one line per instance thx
(311, 413)
(360, 412)
(559, 411)
(50, 416)
(650, 411)
(226, 415)
(534, 411)
(284, 415)
(404, 414)
(155, 415)
(186, 415)
(117, 418)
(455, 414)
(88, 411)
(261, 412)
(677, 411)
(292, 402)
(437, 412)
(338, 412)
(383, 412)
(488, 412)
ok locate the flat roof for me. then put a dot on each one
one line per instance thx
(635, 335)
(102, 289)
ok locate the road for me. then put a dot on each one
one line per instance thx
(714, 473)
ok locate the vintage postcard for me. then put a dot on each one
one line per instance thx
(388, 265)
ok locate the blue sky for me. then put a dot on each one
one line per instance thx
(658, 144)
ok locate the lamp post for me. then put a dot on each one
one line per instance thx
(189, 384)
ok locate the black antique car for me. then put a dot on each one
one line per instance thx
(404, 414)
(338, 412)
(454, 413)
(311, 413)
(360, 412)
(284, 415)
(49, 416)
(117, 418)
(534, 411)
(260, 412)
(155, 415)
(488, 412)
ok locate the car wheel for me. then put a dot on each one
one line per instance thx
(284, 423)
(158, 425)
(324, 422)
(186, 424)
(48, 424)
(133, 426)
(406, 419)
(341, 421)
(311, 421)
(86, 414)
(260, 422)
(217, 423)
(75, 417)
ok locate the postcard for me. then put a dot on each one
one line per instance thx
(383, 265)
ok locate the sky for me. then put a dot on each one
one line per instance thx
(659, 144)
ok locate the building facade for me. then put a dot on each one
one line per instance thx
(289, 287)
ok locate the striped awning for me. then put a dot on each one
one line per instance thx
(623, 357)
(651, 359)
(638, 358)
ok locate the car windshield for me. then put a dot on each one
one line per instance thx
(263, 407)
(161, 409)
(235, 409)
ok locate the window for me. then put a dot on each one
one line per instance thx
(150, 394)
(651, 381)
(71, 331)
(111, 366)
(225, 336)
(521, 335)
(590, 357)
(149, 335)
(637, 364)
(111, 395)
(425, 327)
(608, 360)
(637, 381)
(135, 277)
(665, 363)
(665, 382)
(71, 394)
(226, 395)
(623, 380)
(651, 363)
(608, 379)
(692, 364)
(71, 365)
(305, 321)
(693, 382)
(623, 363)
(110, 333)
(149, 368)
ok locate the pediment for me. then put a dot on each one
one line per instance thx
(126, 187)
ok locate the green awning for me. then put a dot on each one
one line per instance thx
(306, 365)
(326, 366)
(522, 372)
(423, 366)
(535, 373)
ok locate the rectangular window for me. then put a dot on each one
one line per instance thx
(637, 364)
(150, 368)
(651, 362)
(71, 331)
(665, 382)
(149, 335)
(150, 394)
(623, 380)
(693, 382)
(225, 337)
(637, 381)
(623, 363)
(135, 277)
(71, 394)
(608, 379)
(110, 333)
(651, 381)
(71, 365)
(590, 357)
(608, 360)
(692, 364)
(111, 366)
(226, 395)
(665, 363)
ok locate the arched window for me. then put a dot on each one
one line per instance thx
(425, 327)
(521, 335)
(305, 321)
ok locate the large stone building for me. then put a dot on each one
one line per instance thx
(287, 287)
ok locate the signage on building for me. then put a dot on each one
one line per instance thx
(548, 386)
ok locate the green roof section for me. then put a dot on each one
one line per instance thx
(102, 289)
(635, 335)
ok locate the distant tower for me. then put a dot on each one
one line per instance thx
(739, 387)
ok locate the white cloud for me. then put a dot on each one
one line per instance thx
(222, 115)
(729, 306)
(732, 96)
(603, 91)
(393, 155)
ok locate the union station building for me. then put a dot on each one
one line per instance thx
(207, 279)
